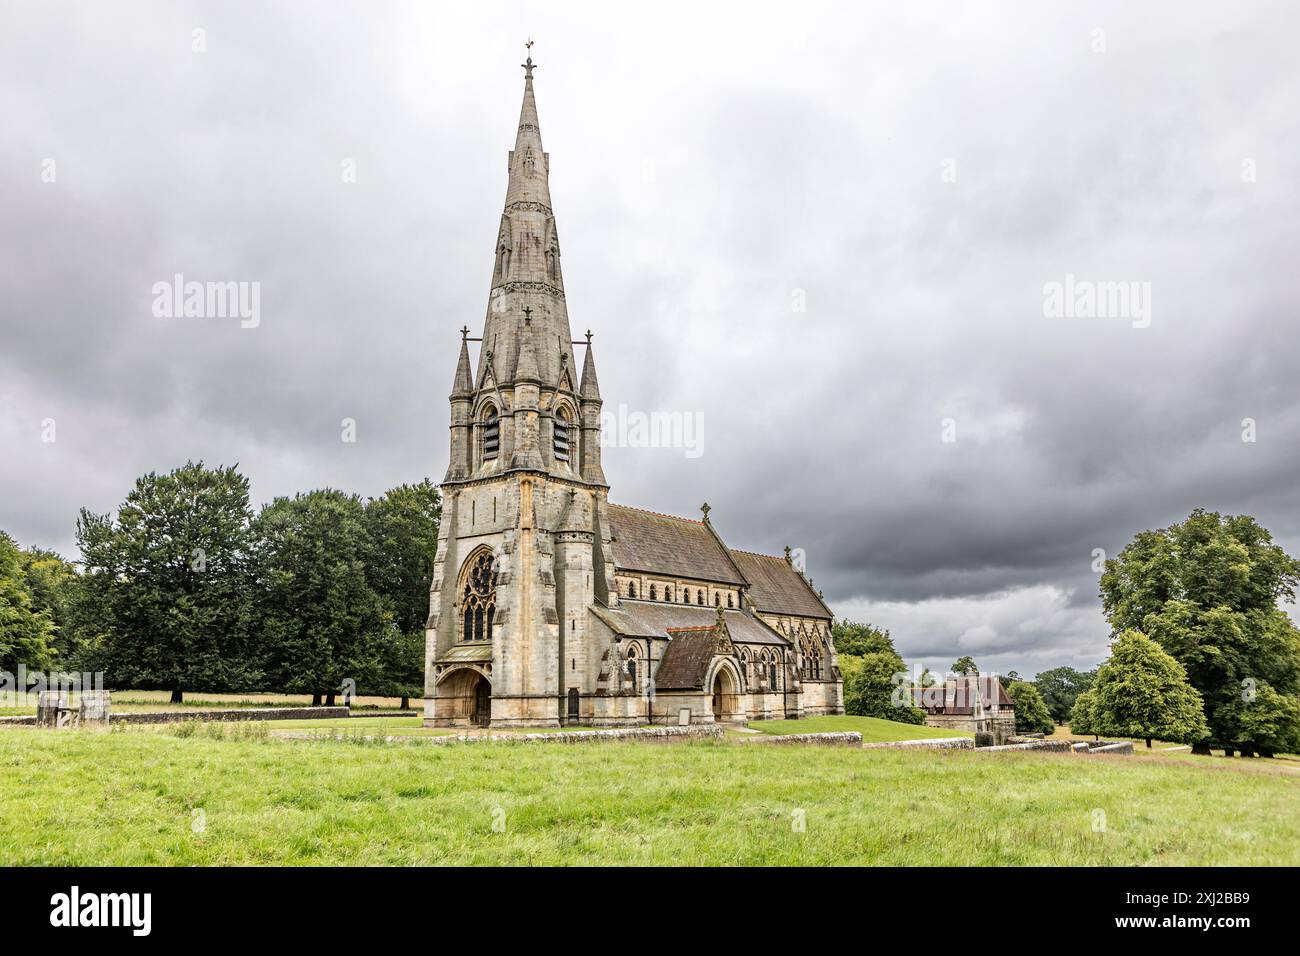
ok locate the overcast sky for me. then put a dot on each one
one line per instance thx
(912, 175)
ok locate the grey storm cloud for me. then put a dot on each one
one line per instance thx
(824, 230)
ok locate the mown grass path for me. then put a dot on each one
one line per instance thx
(74, 797)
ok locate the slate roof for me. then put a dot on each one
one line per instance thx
(668, 545)
(777, 587)
(686, 661)
(658, 618)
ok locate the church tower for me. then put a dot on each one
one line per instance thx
(524, 547)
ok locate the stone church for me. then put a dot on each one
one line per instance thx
(550, 605)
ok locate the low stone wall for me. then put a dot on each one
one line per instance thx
(845, 738)
(1059, 745)
(696, 731)
(1110, 747)
(932, 743)
(1054, 745)
(241, 713)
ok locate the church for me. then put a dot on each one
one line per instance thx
(552, 606)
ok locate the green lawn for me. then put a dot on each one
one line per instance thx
(399, 726)
(88, 798)
(134, 701)
(872, 729)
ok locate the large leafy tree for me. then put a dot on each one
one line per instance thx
(1207, 591)
(1141, 692)
(1060, 687)
(1032, 715)
(401, 542)
(26, 629)
(321, 619)
(166, 584)
(850, 637)
(869, 688)
(965, 665)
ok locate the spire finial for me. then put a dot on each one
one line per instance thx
(464, 334)
(706, 509)
(528, 64)
(589, 338)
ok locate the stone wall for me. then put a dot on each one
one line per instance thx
(651, 734)
(935, 743)
(846, 738)
(242, 713)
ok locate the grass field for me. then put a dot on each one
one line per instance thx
(872, 729)
(82, 797)
(133, 701)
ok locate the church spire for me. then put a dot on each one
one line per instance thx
(463, 386)
(526, 269)
(589, 390)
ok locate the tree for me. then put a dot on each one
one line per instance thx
(1143, 692)
(396, 665)
(166, 590)
(1207, 591)
(401, 543)
(321, 621)
(869, 685)
(1060, 687)
(850, 637)
(1032, 715)
(965, 665)
(26, 630)
(1009, 678)
(1082, 715)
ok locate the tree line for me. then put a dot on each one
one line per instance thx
(187, 588)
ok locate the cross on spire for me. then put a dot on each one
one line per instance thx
(464, 334)
(706, 509)
(528, 64)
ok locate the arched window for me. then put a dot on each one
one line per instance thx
(652, 592)
(729, 604)
(563, 429)
(717, 598)
(745, 666)
(631, 667)
(668, 592)
(478, 597)
(631, 589)
(491, 433)
(699, 597)
(771, 678)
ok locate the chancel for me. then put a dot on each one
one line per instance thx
(552, 606)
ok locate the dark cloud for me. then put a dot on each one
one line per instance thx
(705, 181)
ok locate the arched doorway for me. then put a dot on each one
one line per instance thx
(482, 713)
(725, 689)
